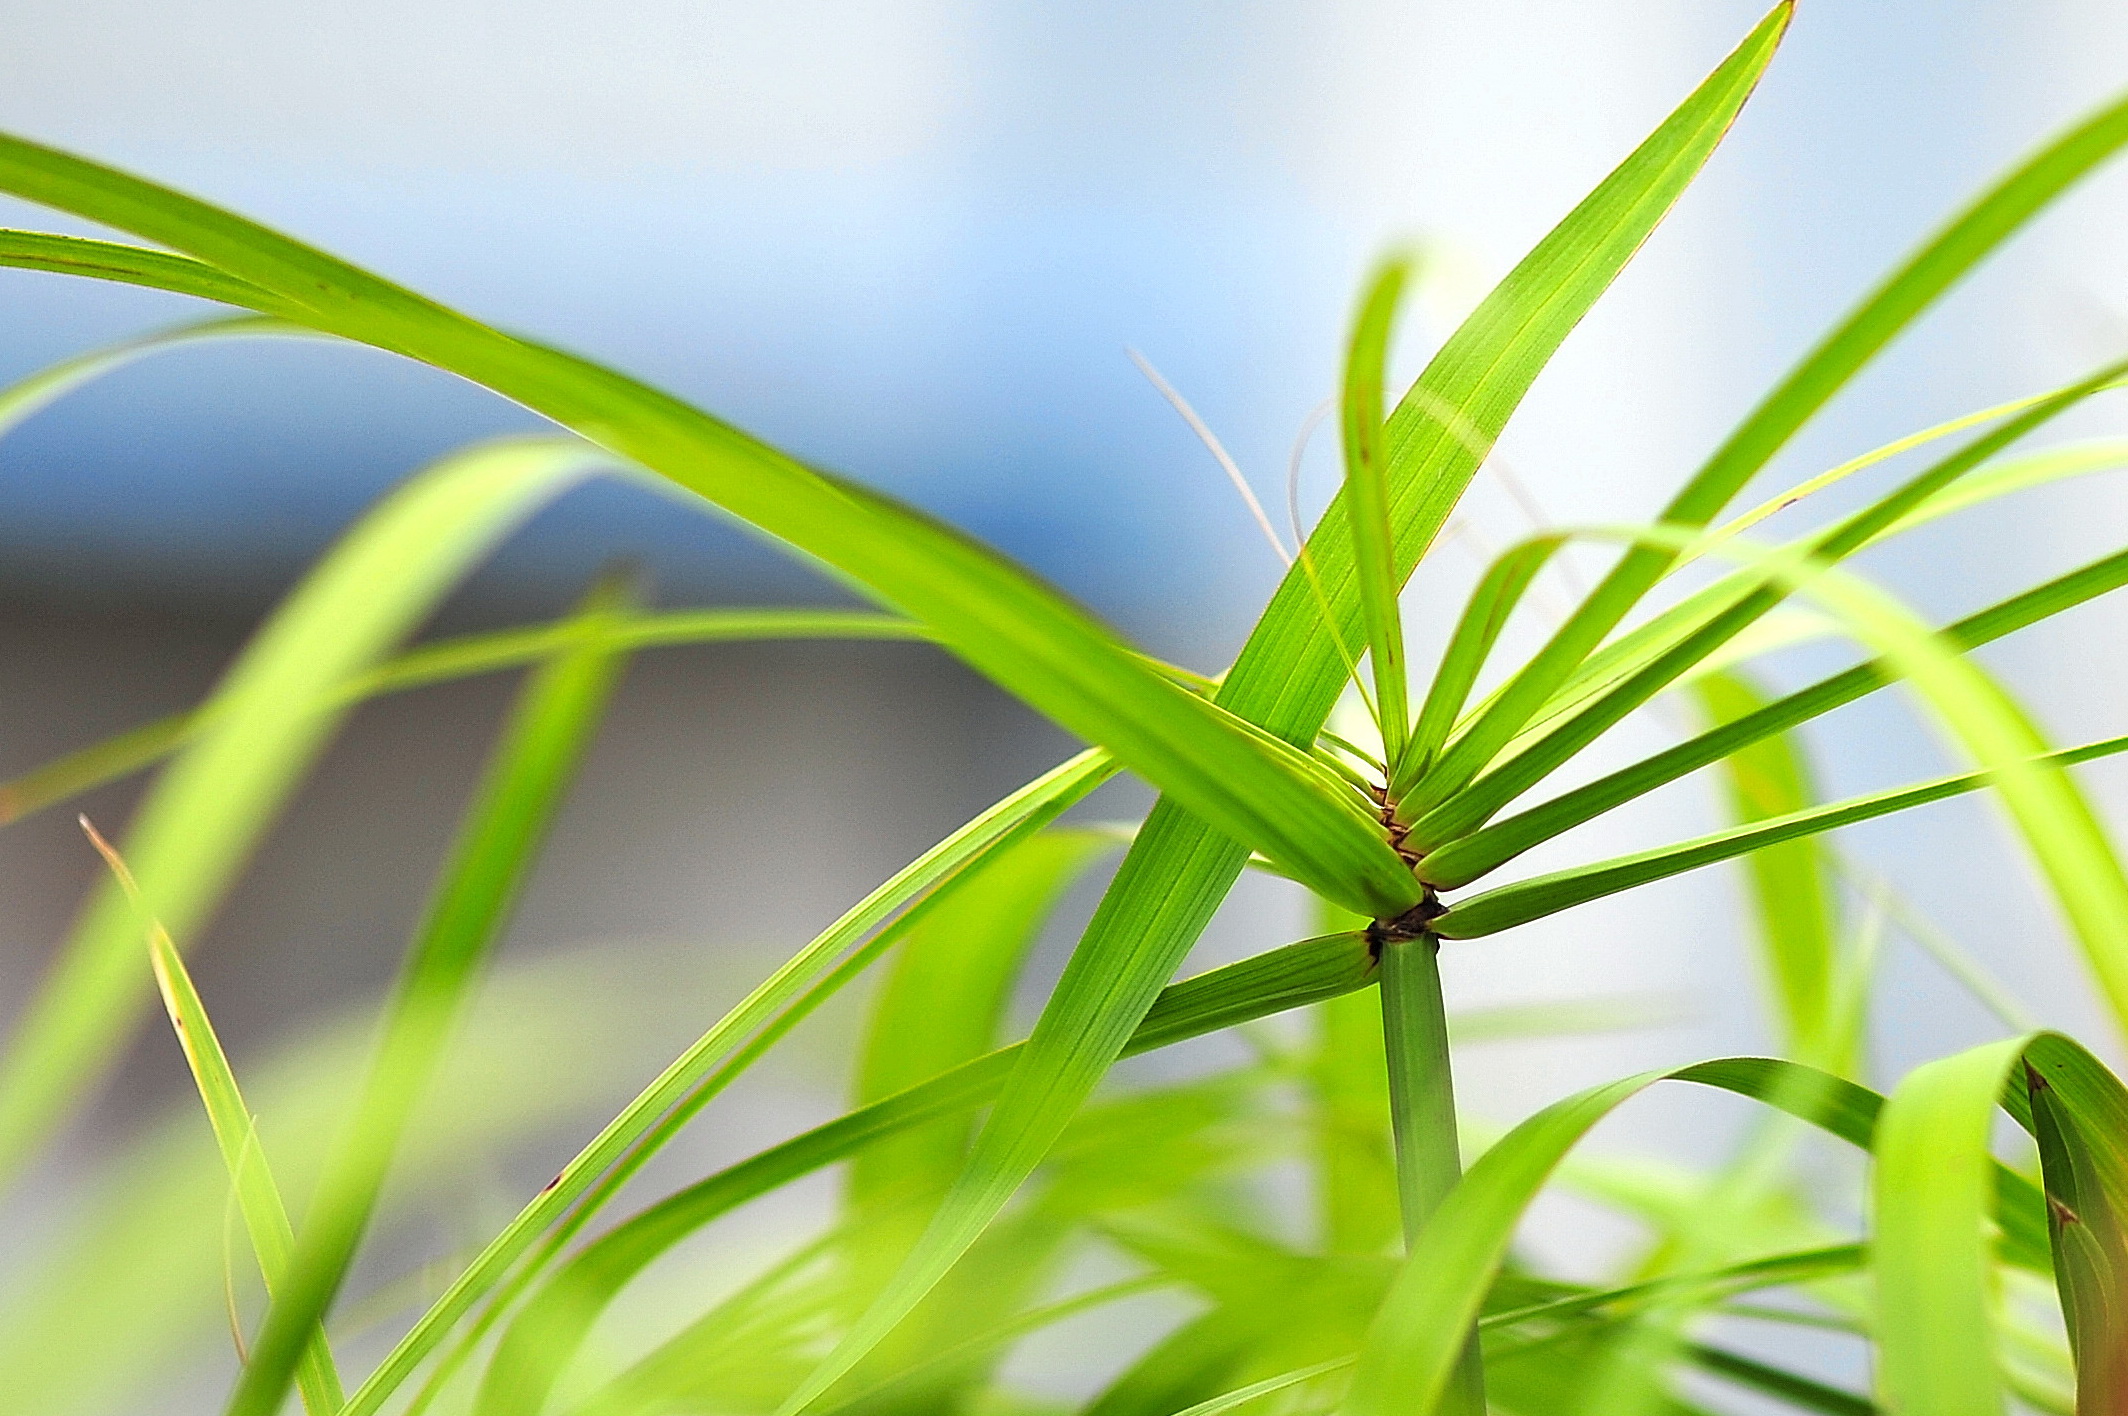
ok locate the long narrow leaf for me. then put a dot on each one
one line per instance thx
(133, 265)
(1477, 803)
(1525, 900)
(1633, 650)
(1015, 629)
(2066, 838)
(235, 1128)
(1367, 503)
(1501, 589)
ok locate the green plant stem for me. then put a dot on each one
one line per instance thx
(1422, 1109)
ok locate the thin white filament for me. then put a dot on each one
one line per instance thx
(1218, 451)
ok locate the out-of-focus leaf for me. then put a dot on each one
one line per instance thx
(1936, 1339)
(528, 775)
(201, 821)
(1792, 903)
(258, 1196)
(690, 1077)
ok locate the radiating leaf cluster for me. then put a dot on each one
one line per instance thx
(985, 1174)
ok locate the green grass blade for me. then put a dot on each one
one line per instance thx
(1810, 487)
(1241, 1396)
(1501, 589)
(134, 265)
(1805, 1393)
(1367, 503)
(1609, 665)
(45, 387)
(258, 1197)
(201, 821)
(2080, 1119)
(1969, 238)
(535, 760)
(1001, 825)
(2064, 835)
(125, 753)
(1472, 856)
(1792, 902)
(1935, 1338)
(1728, 1281)
(1525, 900)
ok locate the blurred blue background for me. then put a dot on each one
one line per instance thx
(911, 240)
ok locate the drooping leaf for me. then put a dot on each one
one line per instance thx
(439, 662)
(1936, 1336)
(1005, 622)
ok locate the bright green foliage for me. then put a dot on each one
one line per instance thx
(1367, 506)
(984, 1179)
